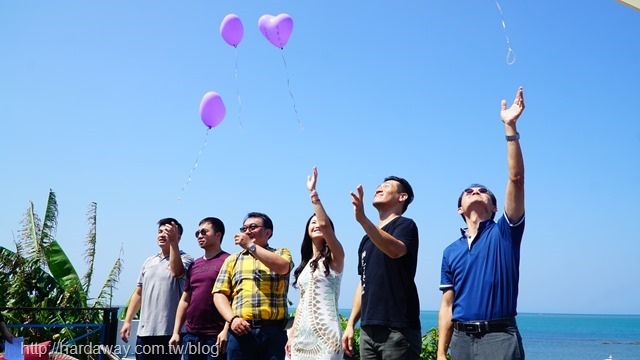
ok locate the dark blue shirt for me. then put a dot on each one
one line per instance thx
(485, 277)
(389, 293)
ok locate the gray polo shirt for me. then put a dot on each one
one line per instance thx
(161, 293)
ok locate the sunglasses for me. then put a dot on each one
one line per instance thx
(202, 232)
(251, 228)
(470, 191)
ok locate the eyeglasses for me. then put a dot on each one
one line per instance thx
(251, 228)
(202, 232)
(470, 191)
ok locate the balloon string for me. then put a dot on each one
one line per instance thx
(511, 55)
(290, 93)
(194, 165)
(238, 93)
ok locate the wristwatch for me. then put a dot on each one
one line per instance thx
(513, 137)
(251, 247)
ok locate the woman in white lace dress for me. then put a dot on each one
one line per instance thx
(316, 333)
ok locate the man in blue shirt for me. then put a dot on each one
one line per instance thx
(480, 271)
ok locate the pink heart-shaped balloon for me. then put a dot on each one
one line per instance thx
(277, 29)
(212, 109)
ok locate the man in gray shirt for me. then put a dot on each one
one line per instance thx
(157, 294)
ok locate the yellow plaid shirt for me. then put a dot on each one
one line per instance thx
(255, 291)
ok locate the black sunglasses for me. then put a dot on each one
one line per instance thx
(202, 232)
(480, 190)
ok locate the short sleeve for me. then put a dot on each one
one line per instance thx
(286, 254)
(223, 281)
(446, 276)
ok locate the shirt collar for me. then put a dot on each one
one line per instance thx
(159, 254)
(483, 225)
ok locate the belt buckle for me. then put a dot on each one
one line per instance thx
(256, 323)
(472, 327)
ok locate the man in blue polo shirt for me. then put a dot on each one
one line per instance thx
(480, 271)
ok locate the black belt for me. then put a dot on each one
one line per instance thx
(256, 323)
(475, 327)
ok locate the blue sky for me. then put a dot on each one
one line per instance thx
(99, 102)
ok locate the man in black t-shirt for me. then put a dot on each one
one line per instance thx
(386, 298)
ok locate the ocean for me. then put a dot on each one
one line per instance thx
(570, 337)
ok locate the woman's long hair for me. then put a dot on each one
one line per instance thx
(306, 252)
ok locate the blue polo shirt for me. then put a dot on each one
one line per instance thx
(485, 277)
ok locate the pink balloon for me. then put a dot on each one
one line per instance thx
(277, 29)
(232, 30)
(212, 109)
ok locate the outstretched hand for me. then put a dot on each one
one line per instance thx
(312, 179)
(358, 204)
(510, 116)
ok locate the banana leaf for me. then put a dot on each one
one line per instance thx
(65, 274)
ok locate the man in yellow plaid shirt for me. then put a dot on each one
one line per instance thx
(251, 293)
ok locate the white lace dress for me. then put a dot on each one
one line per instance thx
(318, 335)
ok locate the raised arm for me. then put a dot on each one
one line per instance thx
(337, 252)
(278, 264)
(175, 259)
(281, 265)
(514, 198)
(389, 245)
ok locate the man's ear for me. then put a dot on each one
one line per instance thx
(404, 197)
(460, 211)
(269, 232)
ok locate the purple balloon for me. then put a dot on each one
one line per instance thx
(212, 109)
(277, 29)
(232, 30)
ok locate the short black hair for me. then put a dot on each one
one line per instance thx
(266, 220)
(493, 198)
(217, 224)
(168, 221)
(405, 187)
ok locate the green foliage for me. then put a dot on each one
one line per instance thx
(39, 274)
(356, 339)
(429, 350)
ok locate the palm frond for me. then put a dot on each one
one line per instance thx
(90, 246)
(50, 223)
(29, 237)
(106, 292)
(19, 246)
(7, 258)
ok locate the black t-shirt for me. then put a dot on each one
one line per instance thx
(389, 293)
